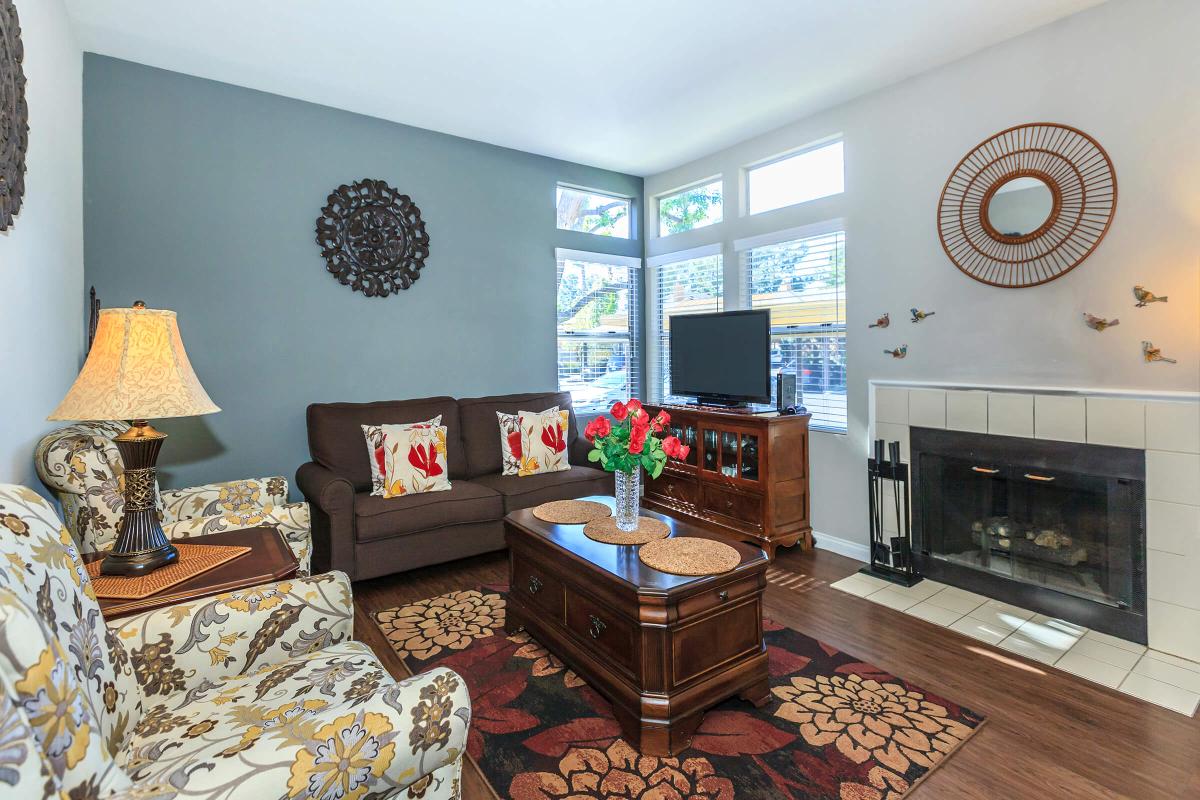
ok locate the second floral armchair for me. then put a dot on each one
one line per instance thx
(81, 465)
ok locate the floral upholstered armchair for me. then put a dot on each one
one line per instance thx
(260, 693)
(81, 465)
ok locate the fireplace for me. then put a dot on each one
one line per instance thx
(1056, 527)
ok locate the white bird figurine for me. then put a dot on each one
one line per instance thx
(1099, 323)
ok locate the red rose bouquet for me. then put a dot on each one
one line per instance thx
(634, 441)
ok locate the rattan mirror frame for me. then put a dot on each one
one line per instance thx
(1083, 187)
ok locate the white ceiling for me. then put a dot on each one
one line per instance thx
(638, 86)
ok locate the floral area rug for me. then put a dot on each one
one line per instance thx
(835, 727)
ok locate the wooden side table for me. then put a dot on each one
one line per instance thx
(270, 559)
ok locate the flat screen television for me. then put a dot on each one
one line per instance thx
(722, 358)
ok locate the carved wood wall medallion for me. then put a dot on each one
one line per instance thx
(14, 115)
(372, 238)
(1027, 205)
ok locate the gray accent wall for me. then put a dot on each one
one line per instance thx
(202, 197)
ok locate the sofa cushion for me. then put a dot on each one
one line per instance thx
(336, 442)
(481, 430)
(385, 517)
(534, 490)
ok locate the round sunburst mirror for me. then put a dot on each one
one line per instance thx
(1027, 205)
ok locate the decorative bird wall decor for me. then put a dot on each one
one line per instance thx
(899, 352)
(1152, 353)
(882, 322)
(919, 316)
(1099, 323)
(1144, 297)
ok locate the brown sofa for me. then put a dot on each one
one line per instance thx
(367, 536)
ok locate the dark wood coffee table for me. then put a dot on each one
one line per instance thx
(662, 648)
(270, 559)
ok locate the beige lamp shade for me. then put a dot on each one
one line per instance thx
(137, 369)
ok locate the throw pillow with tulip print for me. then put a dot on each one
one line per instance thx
(543, 441)
(375, 455)
(510, 441)
(414, 459)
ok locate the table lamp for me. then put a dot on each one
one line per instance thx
(137, 369)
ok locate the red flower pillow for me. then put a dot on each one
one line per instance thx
(414, 459)
(374, 436)
(510, 441)
(543, 441)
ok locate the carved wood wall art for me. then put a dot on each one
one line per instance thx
(14, 115)
(372, 238)
(1057, 195)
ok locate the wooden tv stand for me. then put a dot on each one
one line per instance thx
(746, 477)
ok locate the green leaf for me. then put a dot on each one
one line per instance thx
(594, 455)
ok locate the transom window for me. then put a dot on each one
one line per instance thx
(597, 328)
(689, 286)
(689, 209)
(803, 281)
(796, 179)
(590, 211)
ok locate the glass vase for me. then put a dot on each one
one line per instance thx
(629, 490)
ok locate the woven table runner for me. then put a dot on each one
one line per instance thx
(194, 559)
(571, 512)
(687, 555)
(605, 530)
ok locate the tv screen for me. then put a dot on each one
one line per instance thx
(722, 357)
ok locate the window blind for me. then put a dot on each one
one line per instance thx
(598, 312)
(690, 286)
(803, 282)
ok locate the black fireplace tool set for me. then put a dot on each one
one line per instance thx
(891, 554)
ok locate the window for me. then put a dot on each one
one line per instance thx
(803, 281)
(795, 179)
(589, 211)
(597, 329)
(688, 286)
(692, 208)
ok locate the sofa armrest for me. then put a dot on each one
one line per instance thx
(331, 498)
(229, 497)
(291, 520)
(578, 452)
(177, 648)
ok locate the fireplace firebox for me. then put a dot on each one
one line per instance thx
(1055, 527)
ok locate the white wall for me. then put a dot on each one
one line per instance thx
(1124, 72)
(42, 304)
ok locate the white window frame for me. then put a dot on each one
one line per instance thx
(602, 193)
(634, 264)
(654, 322)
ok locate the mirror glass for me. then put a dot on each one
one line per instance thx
(1020, 206)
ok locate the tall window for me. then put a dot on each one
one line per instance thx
(691, 286)
(691, 208)
(795, 179)
(803, 282)
(597, 328)
(589, 211)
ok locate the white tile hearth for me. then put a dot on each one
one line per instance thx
(967, 411)
(1060, 418)
(1010, 414)
(1116, 421)
(1154, 677)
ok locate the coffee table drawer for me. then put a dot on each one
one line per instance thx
(538, 587)
(705, 601)
(597, 625)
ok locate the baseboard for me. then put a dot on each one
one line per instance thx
(843, 547)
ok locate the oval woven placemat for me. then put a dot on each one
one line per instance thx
(571, 512)
(688, 555)
(605, 530)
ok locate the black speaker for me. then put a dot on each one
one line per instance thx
(785, 391)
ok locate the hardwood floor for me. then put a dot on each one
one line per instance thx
(1049, 734)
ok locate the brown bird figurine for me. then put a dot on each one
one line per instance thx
(899, 352)
(1099, 323)
(918, 315)
(1144, 298)
(1152, 353)
(882, 322)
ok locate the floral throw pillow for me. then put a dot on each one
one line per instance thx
(374, 437)
(543, 441)
(414, 459)
(510, 441)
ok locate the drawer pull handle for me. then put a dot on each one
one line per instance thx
(985, 470)
(670, 488)
(535, 584)
(728, 503)
(722, 595)
(1042, 478)
(597, 626)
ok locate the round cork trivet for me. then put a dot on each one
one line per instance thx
(605, 530)
(571, 512)
(687, 555)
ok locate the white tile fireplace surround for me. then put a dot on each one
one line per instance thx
(1166, 427)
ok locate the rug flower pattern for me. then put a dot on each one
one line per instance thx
(836, 728)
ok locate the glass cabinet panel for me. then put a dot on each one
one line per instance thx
(687, 435)
(749, 464)
(729, 454)
(710, 450)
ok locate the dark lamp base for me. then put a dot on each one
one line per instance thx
(135, 565)
(141, 546)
